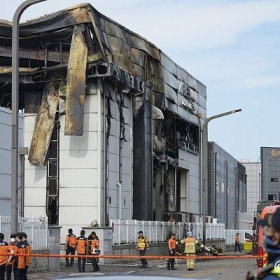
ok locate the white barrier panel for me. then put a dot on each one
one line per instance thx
(126, 231)
(35, 228)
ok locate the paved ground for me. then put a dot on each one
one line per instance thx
(214, 269)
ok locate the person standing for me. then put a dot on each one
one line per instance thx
(237, 242)
(12, 249)
(27, 252)
(71, 241)
(95, 251)
(3, 258)
(142, 245)
(82, 251)
(23, 260)
(190, 250)
(171, 252)
(16, 272)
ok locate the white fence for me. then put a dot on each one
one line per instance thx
(126, 231)
(36, 230)
(230, 235)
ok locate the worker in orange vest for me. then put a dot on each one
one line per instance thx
(70, 246)
(95, 251)
(237, 242)
(12, 249)
(190, 249)
(3, 258)
(171, 252)
(82, 251)
(23, 262)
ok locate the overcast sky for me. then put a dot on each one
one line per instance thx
(232, 46)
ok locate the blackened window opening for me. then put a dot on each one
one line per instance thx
(187, 135)
(53, 175)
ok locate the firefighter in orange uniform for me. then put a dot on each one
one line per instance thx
(190, 250)
(95, 251)
(3, 259)
(23, 262)
(71, 241)
(171, 252)
(82, 250)
(12, 249)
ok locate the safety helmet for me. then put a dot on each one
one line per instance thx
(189, 233)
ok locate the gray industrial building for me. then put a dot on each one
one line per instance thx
(111, 121)
(227, 191)
(270, 170)
(253, 175)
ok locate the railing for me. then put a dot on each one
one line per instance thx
(126, 231)
(35, 228)
(230, 235)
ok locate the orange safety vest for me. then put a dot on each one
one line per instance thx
(3, 250)
(190, 245)
(82, 245)
(23, 248)
(13, 250)
(94, 245)
(237, 239)
(71, 240)
(172, 243)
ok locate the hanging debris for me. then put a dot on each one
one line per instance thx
(44, 124)
(76, 83)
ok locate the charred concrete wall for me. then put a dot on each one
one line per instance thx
(142, 170)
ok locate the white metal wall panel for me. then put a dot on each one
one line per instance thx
(5, 158)
(35, 197)
(82, 196)
(87, 142)
(35, 211)
(77, 215)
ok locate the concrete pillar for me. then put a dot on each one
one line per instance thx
(54, 247)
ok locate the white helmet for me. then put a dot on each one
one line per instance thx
(189, 233)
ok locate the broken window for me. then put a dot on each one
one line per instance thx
(179, 133)
(168, 134)
(187, 135)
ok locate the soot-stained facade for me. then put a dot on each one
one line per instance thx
(111, 121)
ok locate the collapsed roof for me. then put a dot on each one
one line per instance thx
(50, 46)
(113, 42)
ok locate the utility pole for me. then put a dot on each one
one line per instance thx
(205, 166)
(15, 98)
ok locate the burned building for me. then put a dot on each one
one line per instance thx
(111, 121)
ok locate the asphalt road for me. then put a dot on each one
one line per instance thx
(215, 269)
